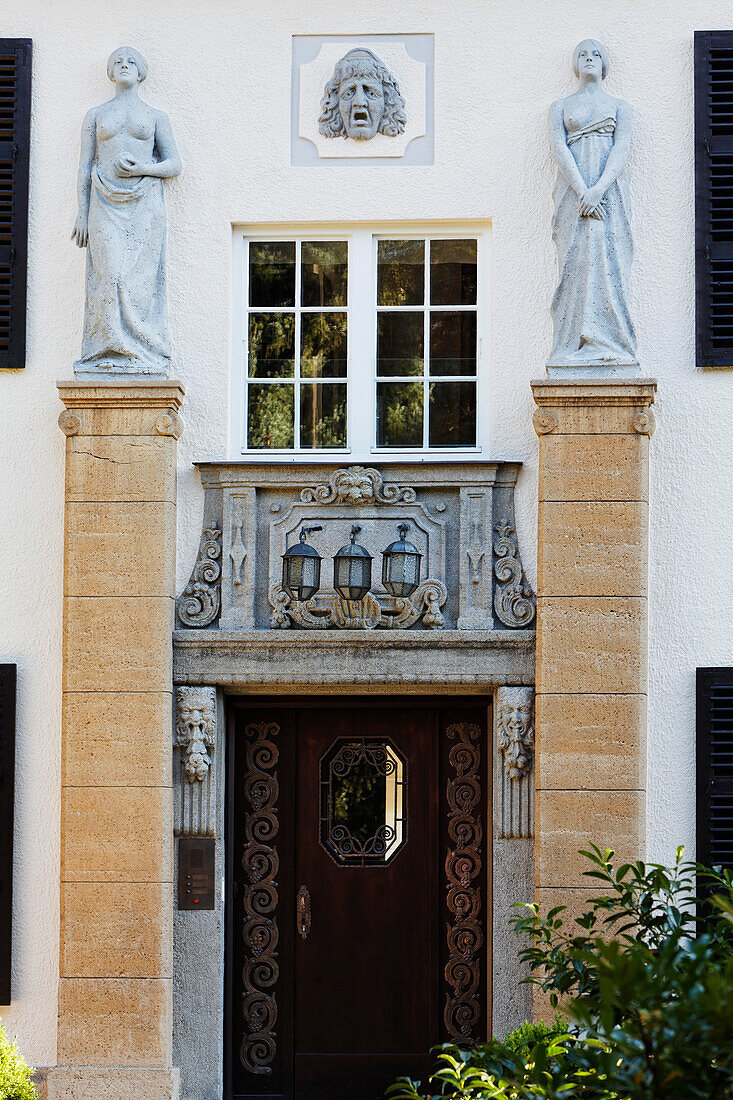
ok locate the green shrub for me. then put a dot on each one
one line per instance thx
(645, 977)
(15, 1073)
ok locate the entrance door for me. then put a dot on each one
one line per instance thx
(357, 895)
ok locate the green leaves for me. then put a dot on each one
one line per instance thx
(645, 976)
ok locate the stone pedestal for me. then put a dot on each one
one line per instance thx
(115, 988)
(591, 628)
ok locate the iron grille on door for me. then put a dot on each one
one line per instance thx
(714, 197)
(15, 122)
(715, 766)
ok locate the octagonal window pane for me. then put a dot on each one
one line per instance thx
(363, 802)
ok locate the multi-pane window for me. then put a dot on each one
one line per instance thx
(360, 343)
(426, 343)
(297, 344)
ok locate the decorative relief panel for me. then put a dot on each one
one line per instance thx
(514, 778)
(195, 737)
(379, 506)
(460, 518)
(260, 931)
(200, 602)
(361, 100)
(463, 865)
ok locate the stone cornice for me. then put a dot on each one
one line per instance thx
(141, 394)
(594, 391)
(284, 474)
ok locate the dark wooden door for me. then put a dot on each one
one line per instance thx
(343, 904)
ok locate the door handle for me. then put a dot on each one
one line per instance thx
(303, 912)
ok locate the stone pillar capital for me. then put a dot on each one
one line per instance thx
(141, 408)
(594, 406)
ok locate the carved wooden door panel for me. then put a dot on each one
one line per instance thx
(357, 895)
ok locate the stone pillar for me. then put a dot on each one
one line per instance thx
(115, 987)
(591, 627)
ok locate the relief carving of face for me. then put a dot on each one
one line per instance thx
(516, 729)
(361, 106)
(195, 731)
(361, 99)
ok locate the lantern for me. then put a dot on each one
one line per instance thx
(352, 569)
(401, 565)
(302, 568)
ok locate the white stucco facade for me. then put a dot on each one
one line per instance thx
(222, 72)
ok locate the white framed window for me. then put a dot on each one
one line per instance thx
(360, 341)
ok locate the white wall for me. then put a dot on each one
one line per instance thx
(221, 69)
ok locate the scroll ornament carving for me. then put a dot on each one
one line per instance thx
(69, 423)
(515, 721)
(462, 1012)
(366, 614)
(200, 602)
(357, 485)
(645, 422)
(544, 421)
(169, 424)
(196, 729)
(260, 933)
(514, 601)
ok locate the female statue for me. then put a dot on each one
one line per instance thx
(127, 150)
(590, 132)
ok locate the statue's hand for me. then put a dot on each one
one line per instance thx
(591, 203)
(80, 232)
(127, 167)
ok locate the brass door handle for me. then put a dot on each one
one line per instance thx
(303, 912)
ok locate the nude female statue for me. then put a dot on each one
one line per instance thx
(127, 150)
(590, 135)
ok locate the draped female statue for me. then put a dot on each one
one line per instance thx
(127, 150)
(590, 132)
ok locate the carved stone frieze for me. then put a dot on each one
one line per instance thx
(514, 759)
(195, 737)
(514, 601)
(463, 865)
(370, 613)
(200, 601)
(357, 485)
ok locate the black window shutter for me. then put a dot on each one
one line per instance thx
(7, 788)
(715, 766)
(15, 140)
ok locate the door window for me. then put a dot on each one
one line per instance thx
(363, 808)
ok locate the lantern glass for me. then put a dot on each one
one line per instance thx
(352, 569)
(401, 566)
(302, 569)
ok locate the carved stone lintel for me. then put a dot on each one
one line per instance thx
(372, 612)
(357, 485)
(515, 752)
(514, 600)
(195, 736)
(200, 601)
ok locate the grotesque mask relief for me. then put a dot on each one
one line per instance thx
(361, 99)
(375, 95)
(516, 729)
(196, 729)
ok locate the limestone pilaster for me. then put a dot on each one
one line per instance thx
(115, 990)
(591, 672)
